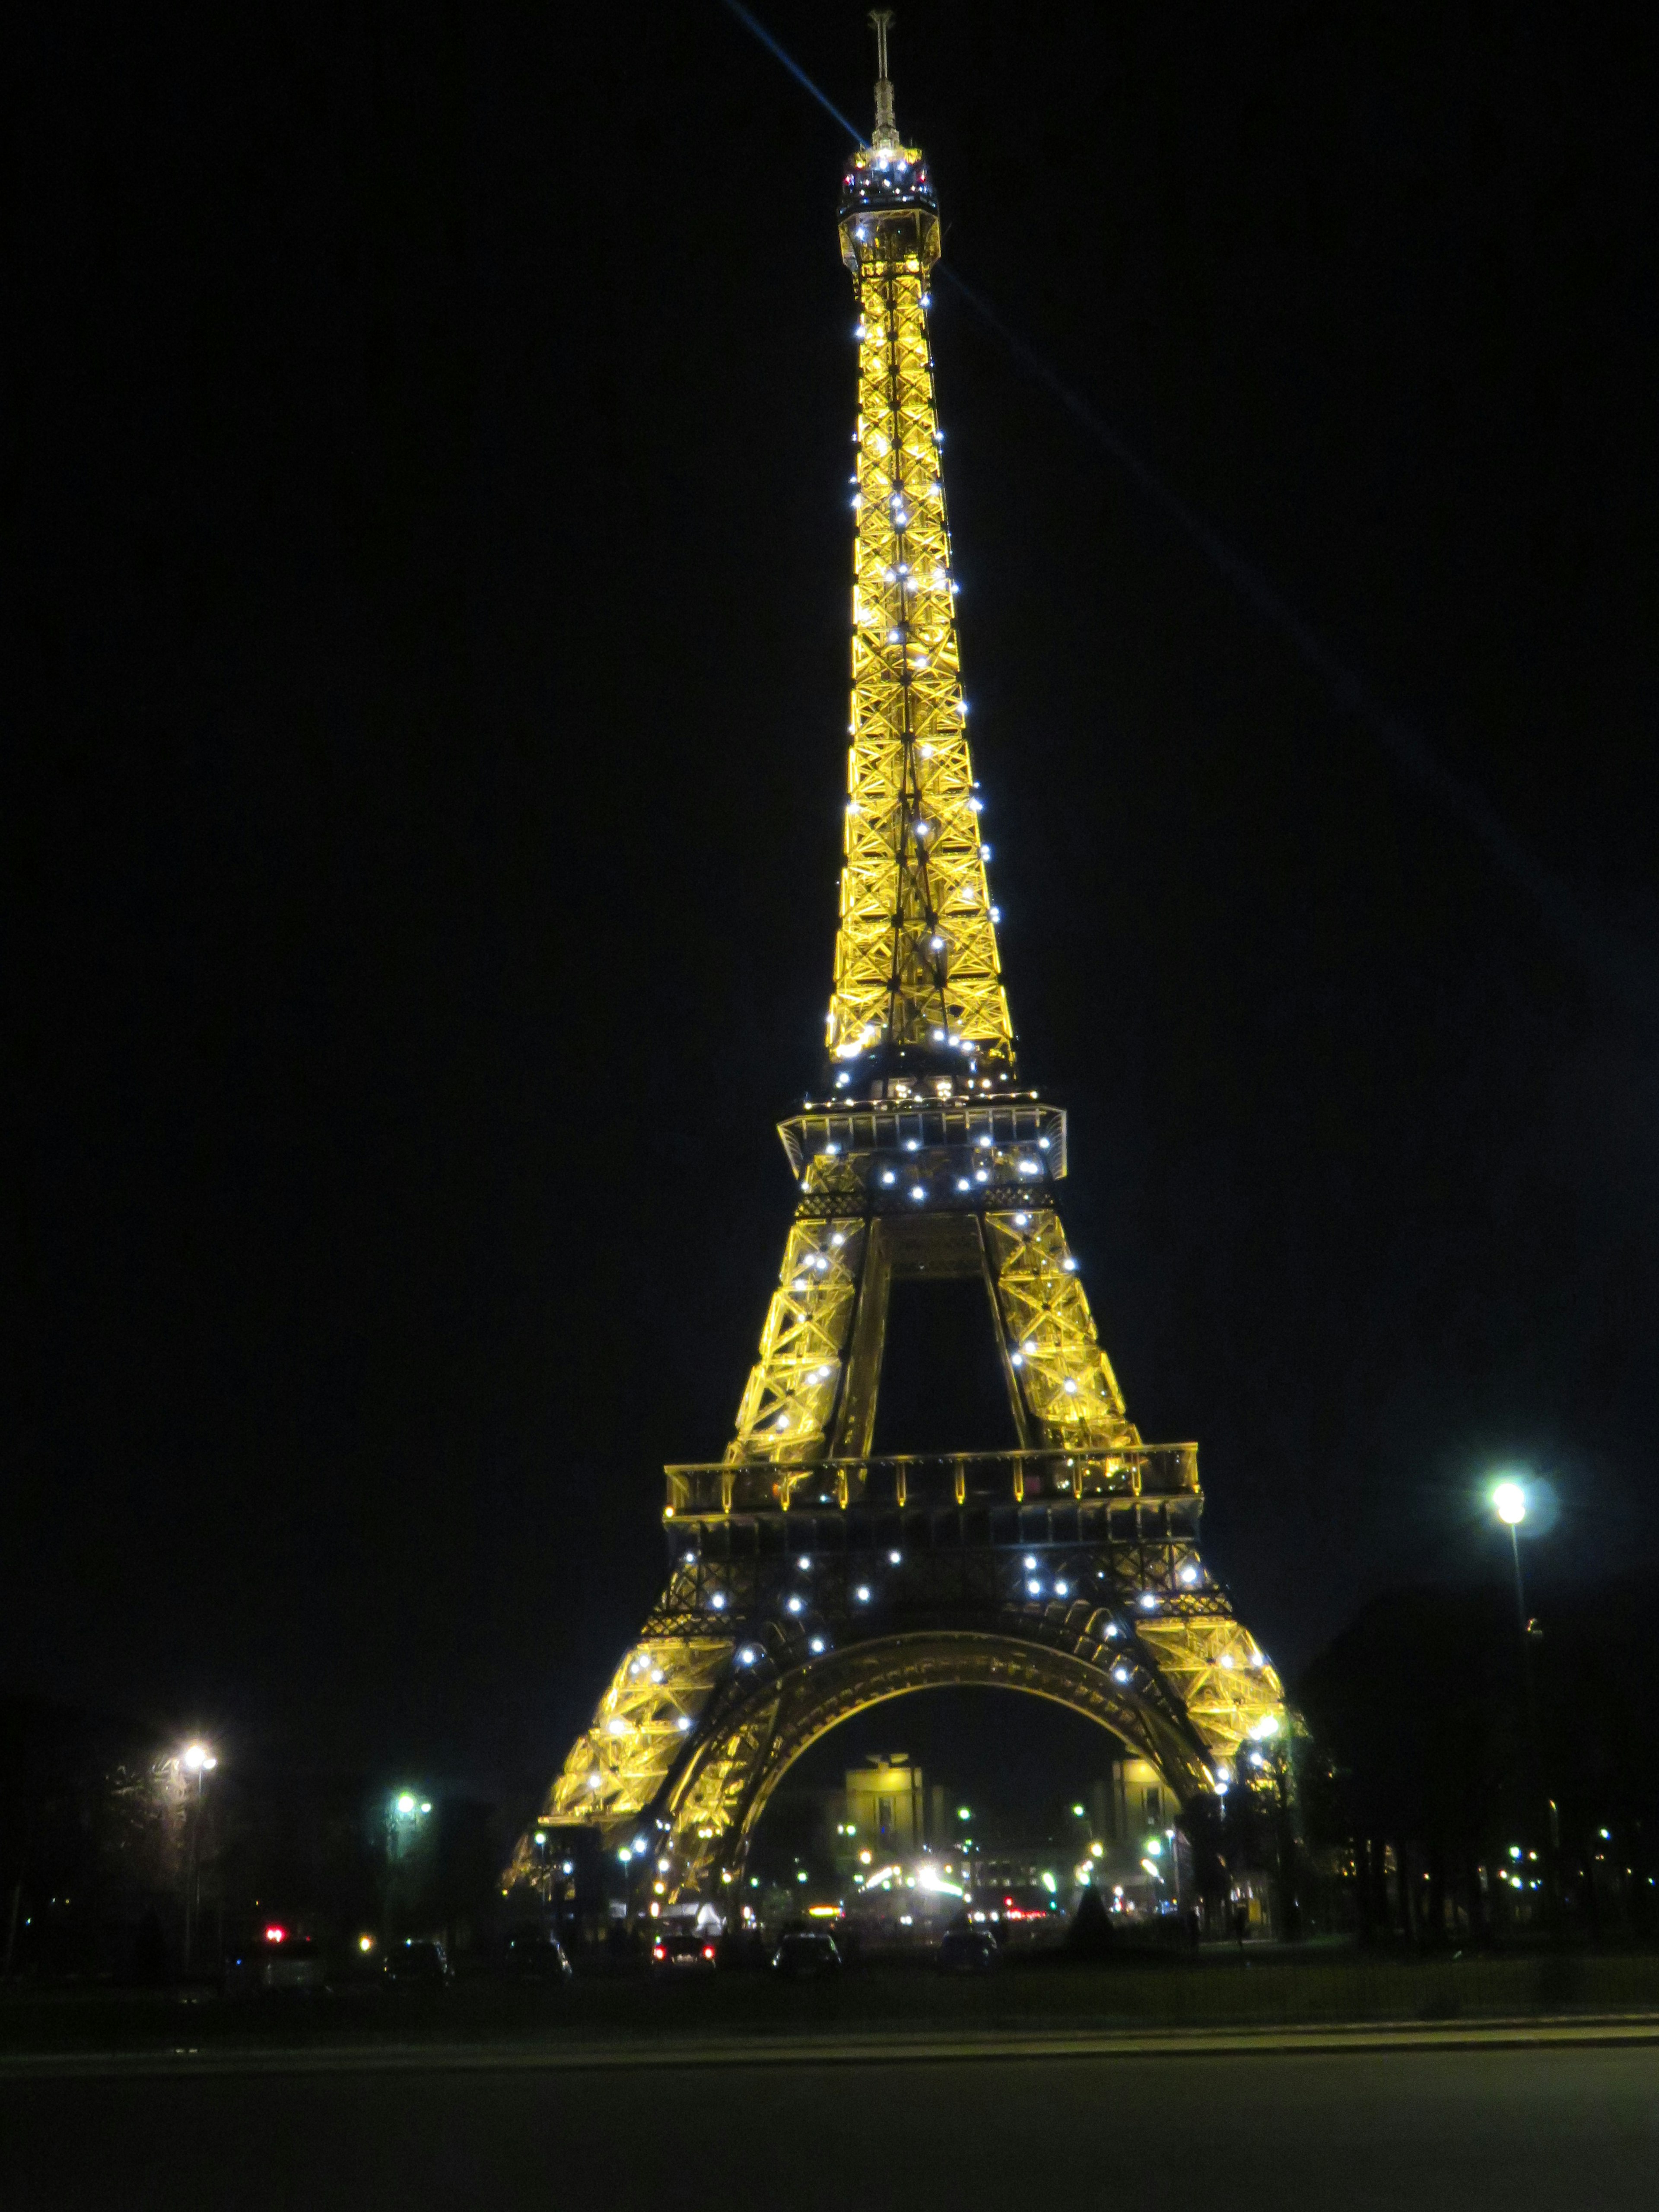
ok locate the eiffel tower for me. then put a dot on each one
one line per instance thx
(807, 1578)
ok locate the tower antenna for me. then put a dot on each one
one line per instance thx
(886, 132)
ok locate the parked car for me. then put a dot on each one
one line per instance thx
(532, 1956)
(806, 1956)
(677, 1951)
(416, 1963)
(969, 1951)
(275, 1960)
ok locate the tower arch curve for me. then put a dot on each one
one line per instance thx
(712, 1806)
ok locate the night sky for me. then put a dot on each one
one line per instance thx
(425, 458)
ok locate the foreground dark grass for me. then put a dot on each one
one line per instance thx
(1309, 1985)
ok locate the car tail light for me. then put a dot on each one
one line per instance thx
(707, 1950)
(659, 1950)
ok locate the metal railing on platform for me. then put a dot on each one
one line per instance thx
(935, 1480)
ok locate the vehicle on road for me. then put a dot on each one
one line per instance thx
(808, 1955)
(275, 1961)
(416, 1963)
(532, 1956)
(969, 1951)
(676, 1953)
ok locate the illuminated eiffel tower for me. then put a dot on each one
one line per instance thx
(808, 1579)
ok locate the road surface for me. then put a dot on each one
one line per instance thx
(1422, 2129)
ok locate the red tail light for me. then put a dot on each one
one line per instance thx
(659, 1950)
(707, 1950)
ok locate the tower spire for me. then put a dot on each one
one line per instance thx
(886, 137)
(918, 996)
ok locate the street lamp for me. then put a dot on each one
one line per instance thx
(195, 1759)
(1508, 1503)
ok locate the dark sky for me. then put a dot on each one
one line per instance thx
(426, 457)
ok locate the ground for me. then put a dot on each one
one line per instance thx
(1467, 2128)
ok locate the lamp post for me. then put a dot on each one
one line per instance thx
(1509, 1501)
(195, 1759)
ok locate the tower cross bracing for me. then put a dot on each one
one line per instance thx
(809, 1577)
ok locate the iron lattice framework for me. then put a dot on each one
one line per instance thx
(809, 1579)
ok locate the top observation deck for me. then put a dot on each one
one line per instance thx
(888, 213)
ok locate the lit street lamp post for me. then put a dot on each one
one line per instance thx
(196, 1759)
(1509, 1504)
(1508, 1500)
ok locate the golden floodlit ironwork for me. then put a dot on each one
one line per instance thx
(809, 1579)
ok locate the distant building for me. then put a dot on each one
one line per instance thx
(886, 1808)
